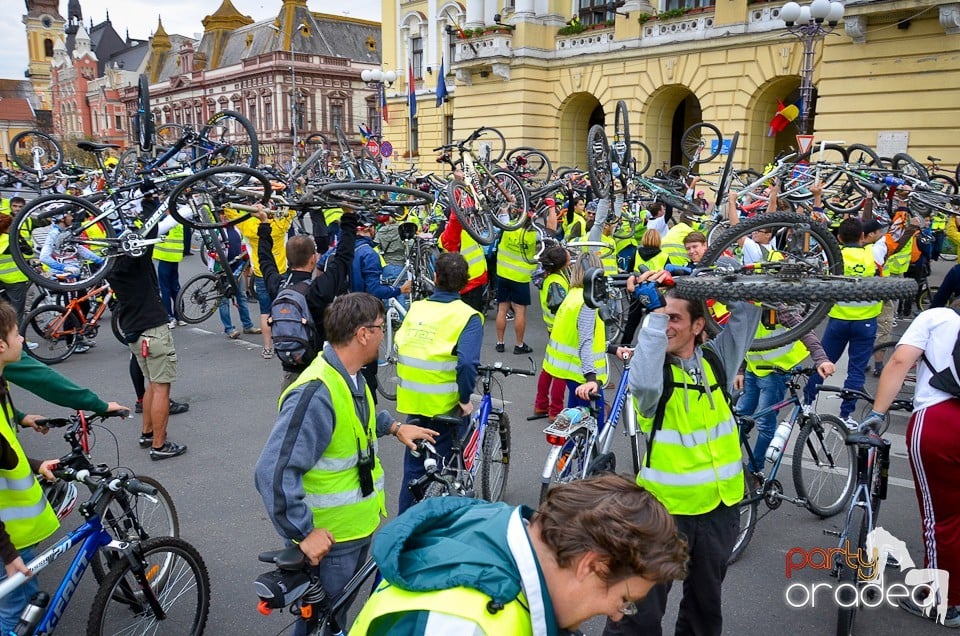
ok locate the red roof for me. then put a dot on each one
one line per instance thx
(16, 109)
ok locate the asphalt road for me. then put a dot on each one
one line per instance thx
(233, 400)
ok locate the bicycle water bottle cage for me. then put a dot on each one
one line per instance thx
(595, 290)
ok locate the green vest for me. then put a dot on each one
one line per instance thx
(578, 221)
(462, 602)
(471, 251)
(170, 249)
(332, 485)
(559, 278)
(695, 458)
(610, 262)
(517, 249)
(672, 243)
(9, 272)
(786, 357)
(332, 215)
(897, 264)
(24, 511)
(562, 358)
(938, 222)
(857, 262)
(654, 262)
(426, 363)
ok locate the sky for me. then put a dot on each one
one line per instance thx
(140, 17)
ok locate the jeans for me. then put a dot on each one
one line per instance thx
(11, 605)
(168, 275)
(242, 307)
(413, 467)
(759, 393)
(335, 571)
(574, 401)
(390, 273)
(860, 336)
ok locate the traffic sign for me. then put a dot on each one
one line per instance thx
(386, 149)
(373, 148)
(804, 143)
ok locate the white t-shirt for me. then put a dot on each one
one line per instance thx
(934, 331)
(751, 252)
(659, 224)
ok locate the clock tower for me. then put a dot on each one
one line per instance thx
(44, 26)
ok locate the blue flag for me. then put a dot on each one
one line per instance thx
(441, 86)
(411, 92)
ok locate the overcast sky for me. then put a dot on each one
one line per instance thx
(140, 17)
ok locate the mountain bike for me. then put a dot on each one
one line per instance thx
(36, 152)
(159, 585)
(294, 585)
(202, 295)
(479, 459)
(59, 330)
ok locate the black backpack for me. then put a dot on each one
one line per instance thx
(719, 373)
(944, 379)
(292, 328)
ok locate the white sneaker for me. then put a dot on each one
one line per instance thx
(851, 423)
(172, 324)
(32, 345)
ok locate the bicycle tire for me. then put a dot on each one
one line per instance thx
(640, 156)
(726, 175)
(36, 328)
(495, 455)
(907, 388)
(218, 188)
(435, 489)
(387, 377)
(36, 152)
(198, 298)
(905, 164)
(376, 196)
(143, 118)
(115, 327)
(621, 134)
(818, 461)
(614, 312)
(124, 590)
(599, 167)
(697, 134)
(847, 576)
(127, 165)
(569, 463)
(234, 141)
(536, 167)
(475, 221)
(507, 200)
(495, 143)
(943, 183)
(749, 511)
(156, 519)
(809, 291)
(925, 296)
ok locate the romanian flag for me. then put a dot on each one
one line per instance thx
(411, 91)
(785, 115)
(383, 104)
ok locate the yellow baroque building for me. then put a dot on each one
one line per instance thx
(888, 76)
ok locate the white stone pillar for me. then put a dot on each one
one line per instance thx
(475, 13)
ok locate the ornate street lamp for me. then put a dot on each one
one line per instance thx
(294, 95)
(810, 24)
(377, 79)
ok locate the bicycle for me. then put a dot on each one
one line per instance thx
(148, 586)
(59, 330)
(294, 585)
(202, 295)
(480, 452)
(822, 466)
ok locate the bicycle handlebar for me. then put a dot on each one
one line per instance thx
(795, 371)
(497, 367)
(60, 422)
(122, 481)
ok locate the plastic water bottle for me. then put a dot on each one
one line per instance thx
(32, 614)
(567, 418)
(779, 441)
(615, 169)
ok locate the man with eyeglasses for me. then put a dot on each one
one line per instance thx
(318, 474)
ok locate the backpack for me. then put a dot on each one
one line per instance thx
(292, 327)
(944, 380)
(719, 372)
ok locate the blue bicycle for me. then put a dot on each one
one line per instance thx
(159, 585)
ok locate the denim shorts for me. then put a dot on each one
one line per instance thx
(263, 298)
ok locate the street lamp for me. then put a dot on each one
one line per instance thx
(810, 23)
(377, 79)
(294, 101)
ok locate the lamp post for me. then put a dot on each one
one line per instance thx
(810, 23)
(294, 101)
(377, 79)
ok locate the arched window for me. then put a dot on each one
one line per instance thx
(48, 47)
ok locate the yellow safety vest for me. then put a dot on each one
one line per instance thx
(938, 222)
(898, 263)
(562, 358)
(514, 256)
(610, 261)
(672, 243)
(332, 485)
(170, 249)
(9, 272)
(332, 215)
(786, 357)
(695, 458)
(24, 511)
(426, 363)
(462, 602)
(559, 278)
(858, 262)
(578, 221)
(654, 262)
(471, 251)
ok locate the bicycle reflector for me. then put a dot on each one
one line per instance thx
(279, 588)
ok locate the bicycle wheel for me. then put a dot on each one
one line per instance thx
(726, 175)
(223, 188)
(495, 456)
(621, 134)
(56, 333)
(614, 312)
(566, 463)
(475, 221)
(598, 162)
(491, 145)
(907, 165)
(389, 199)
(127, 165)
(640, 156)
(143, 118)
(530, 165)
(227, 139)
(749, 509)
(925, 296)
(851, 580)
(136, 518)
(122, 603)
(314, 143)
(507, 201)
(115, 328)
(882, 354)
(199, 298)
(435, 489)
(824, 467)
(387, 377)
(701, 142)
(36, 152)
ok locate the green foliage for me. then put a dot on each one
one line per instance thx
(572, 29)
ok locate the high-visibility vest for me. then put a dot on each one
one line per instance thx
(578, 221)
(560, 279)
(609, 261)
(332, 215)
(514, 256)
(170, 249)
(672, 243)
(9, 272)
(471, 251)
(461, 602)
(332, 485)
(26, 515)
(695, 458)
(562, 358)
(857, 261)
(938, 222)
(659, 261)
(786, 357)
(426, 364)
(898, 263)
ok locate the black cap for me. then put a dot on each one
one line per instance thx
(872, 226)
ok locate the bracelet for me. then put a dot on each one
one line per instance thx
(395, 428)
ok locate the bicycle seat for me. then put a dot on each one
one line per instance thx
(89, 146)
(291, 558)
(450, 420)
(933, 159)
(861, 439)
(875, 188)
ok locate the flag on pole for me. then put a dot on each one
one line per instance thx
(441, 86)
(411, 91)
(383, 105)
(785, 115)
